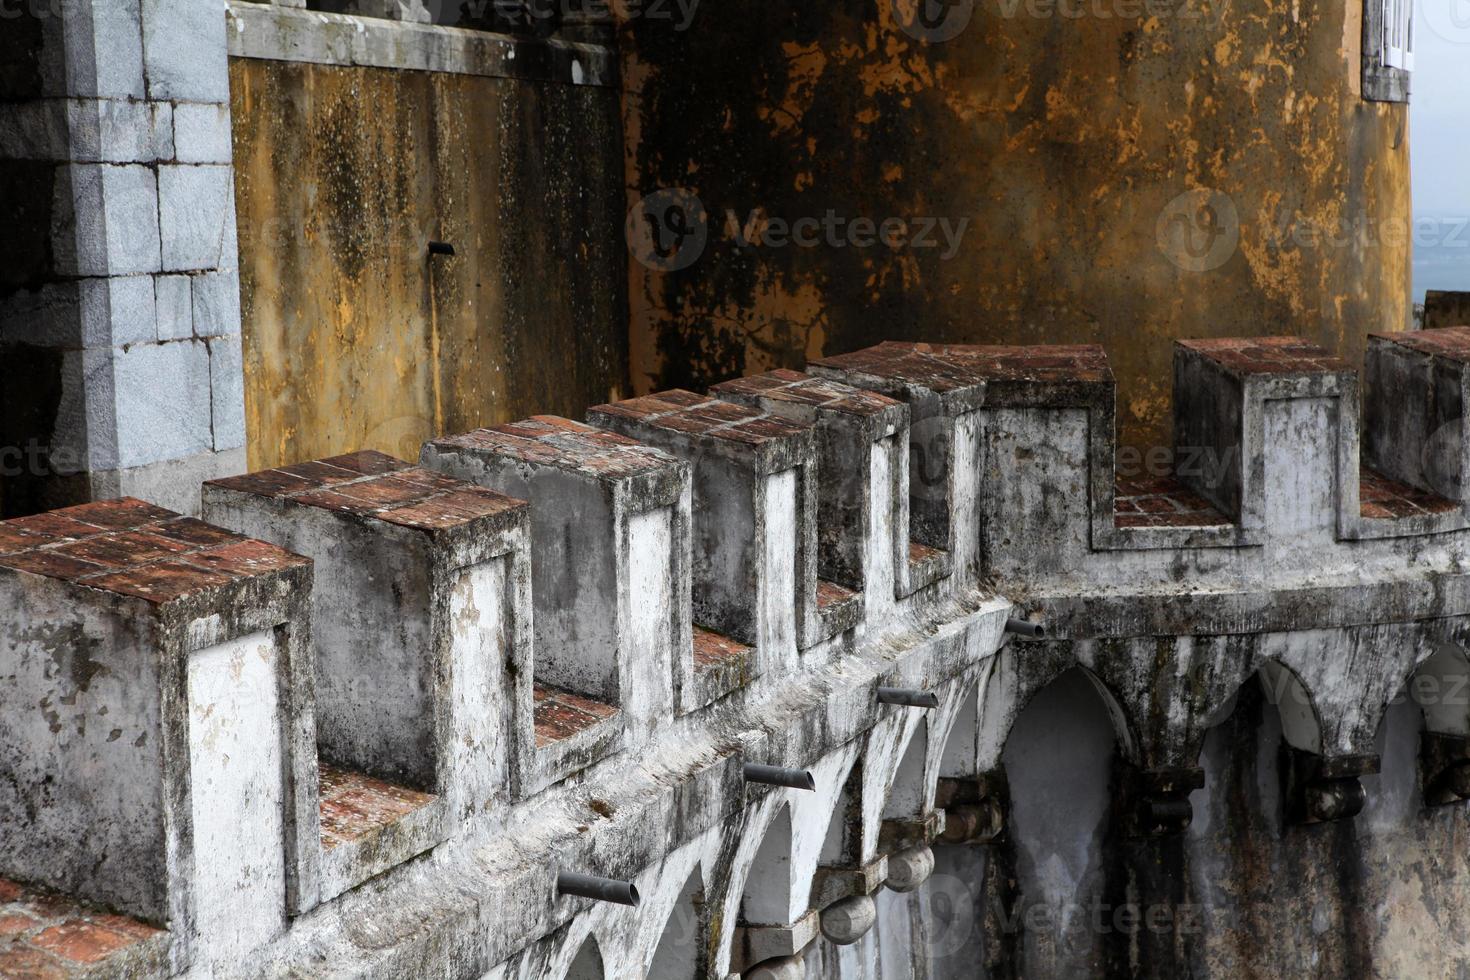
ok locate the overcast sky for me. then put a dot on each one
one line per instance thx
(1439, 108)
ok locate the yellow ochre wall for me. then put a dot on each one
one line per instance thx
(1067, 141)
(353, 337)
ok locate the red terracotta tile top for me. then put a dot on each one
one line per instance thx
(1451, 343)
(1163, 502)
(949, 367)
(803, 389)
(561, 714)
(1267, 355)
(372, 485)
(700, 415)
(45, 935)
(133, 548)
(712, 650)
(831, 594)
(354, 807)
(550, 441)
(921, 553)
(1383, 498)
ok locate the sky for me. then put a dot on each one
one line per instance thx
(1439, 108)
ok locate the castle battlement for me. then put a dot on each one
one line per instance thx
(747, 656)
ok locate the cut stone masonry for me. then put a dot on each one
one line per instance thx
(404, 736)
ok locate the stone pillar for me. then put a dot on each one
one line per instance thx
(120, 358)
(172, 757)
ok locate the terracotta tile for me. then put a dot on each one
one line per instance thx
(122, 513)
(13, 925)
(711, 648)
(10, 890)
(23, 963)
(318, 473)
(14, 540)
(266, 483)
(80, 942)
(51, 565)
(246, 558)
(832, 594)
(385, 491)
(368, 462)
(54, 524)
(160, 582)
(190, 531)
(123, 549)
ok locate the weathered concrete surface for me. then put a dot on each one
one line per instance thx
(354, 337)
(1065, 138)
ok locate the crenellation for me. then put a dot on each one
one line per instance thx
(558, 647)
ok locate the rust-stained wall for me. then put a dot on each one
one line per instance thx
(354, 338)
(1064, 139)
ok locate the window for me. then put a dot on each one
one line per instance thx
(1388, 49)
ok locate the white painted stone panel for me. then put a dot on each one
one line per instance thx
(777, 646)
(480, 749)
(646, 690)
(238, 797)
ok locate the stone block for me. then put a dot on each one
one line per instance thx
(202, 133)
(755, 508)
(175, 307)
(610, 535)
(217, 304)
(422, 671)
(107, 220)
(184, 50)
(1417, 389)
(92, 313)
(173, 756)
(861, 525)
(196, 217)
(163, 402)
(94, 49)
(227, 392)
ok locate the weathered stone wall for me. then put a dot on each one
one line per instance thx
(1078, 142)
(354, 335)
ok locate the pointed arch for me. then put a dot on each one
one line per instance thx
(587, 965)
(957, 760)
(679, 947)
(842, 844)
(905, 799)
(766, 898)
(1301, 723)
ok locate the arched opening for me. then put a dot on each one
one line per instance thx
(958, 758)
(906, 793)
(766, 900)
(678, 954)
(842, 845)
(588, 963)
(1300, 724)
(1059, 761)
